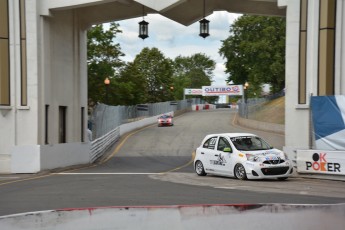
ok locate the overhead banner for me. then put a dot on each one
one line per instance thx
(192, 91)
(321, 162)
(328, 113)
(235, 90)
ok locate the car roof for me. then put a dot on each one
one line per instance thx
(230, 134)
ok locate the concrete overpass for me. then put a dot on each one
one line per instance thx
(43, 70)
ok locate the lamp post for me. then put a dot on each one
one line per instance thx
(204, 26)
(106, 83)
(246, 85)
(143, 27)
(172, 93)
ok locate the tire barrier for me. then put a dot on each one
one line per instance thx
(242, 216)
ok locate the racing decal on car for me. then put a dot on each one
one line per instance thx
(271, 152)
(220, 161)
(272, 158)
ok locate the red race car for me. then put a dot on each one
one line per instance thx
(165, 120)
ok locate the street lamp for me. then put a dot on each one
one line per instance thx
(204, 26)
(143, 27)
(246, 86)
(106, 83)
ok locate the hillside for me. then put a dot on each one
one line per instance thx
(272, 111)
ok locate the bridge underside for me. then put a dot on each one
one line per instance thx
(45, 113)
(185, 12)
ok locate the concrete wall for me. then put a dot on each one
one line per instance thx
(295, 115)
(259, 125)
(56, 60)
(340, 50)
(57, 76)
(19, 124)
(125, 128)
(65, 83)
(298, 128)
(36, 158)
(255, 216)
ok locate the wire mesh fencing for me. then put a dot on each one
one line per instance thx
(106, 118)
(259, 108)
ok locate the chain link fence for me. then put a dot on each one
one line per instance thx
(106, 118)
(247, 110)
(105, 121)
(250, 109)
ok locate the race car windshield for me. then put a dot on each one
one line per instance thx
(247, 143)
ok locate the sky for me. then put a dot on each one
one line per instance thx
(174, 39)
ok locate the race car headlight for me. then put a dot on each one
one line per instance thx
(252, 158)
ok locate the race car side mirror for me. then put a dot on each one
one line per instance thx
(227, 150)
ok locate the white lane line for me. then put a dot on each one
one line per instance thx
(10, 177)
(234, 187)
(67, 173)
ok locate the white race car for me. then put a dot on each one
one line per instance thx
(241, 155)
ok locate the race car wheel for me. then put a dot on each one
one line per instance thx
(199, 168)
(282, 178)
(240, 172)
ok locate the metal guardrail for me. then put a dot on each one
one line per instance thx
(105, 118)
(101, 144)
(105, 121)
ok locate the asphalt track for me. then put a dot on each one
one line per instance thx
(152, 166)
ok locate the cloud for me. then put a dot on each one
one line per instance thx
(174, 39)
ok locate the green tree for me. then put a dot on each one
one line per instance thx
(103, 60)
(157, 72)
(255, 52)
(131, 86)
(193, 71)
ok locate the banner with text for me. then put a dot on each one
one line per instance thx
(234, 90)
(321, 162)
(192, 91)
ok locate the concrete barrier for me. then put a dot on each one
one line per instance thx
(203, 107)
(264, 126)
(42, 157)
(125, 128)
(255, 216)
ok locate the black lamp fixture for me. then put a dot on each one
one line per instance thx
(106, 83)
(143, 27)
(204, 26)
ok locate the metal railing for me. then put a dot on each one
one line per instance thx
(249, 110)
(245, 110)
(106, 120)
(102, 144)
